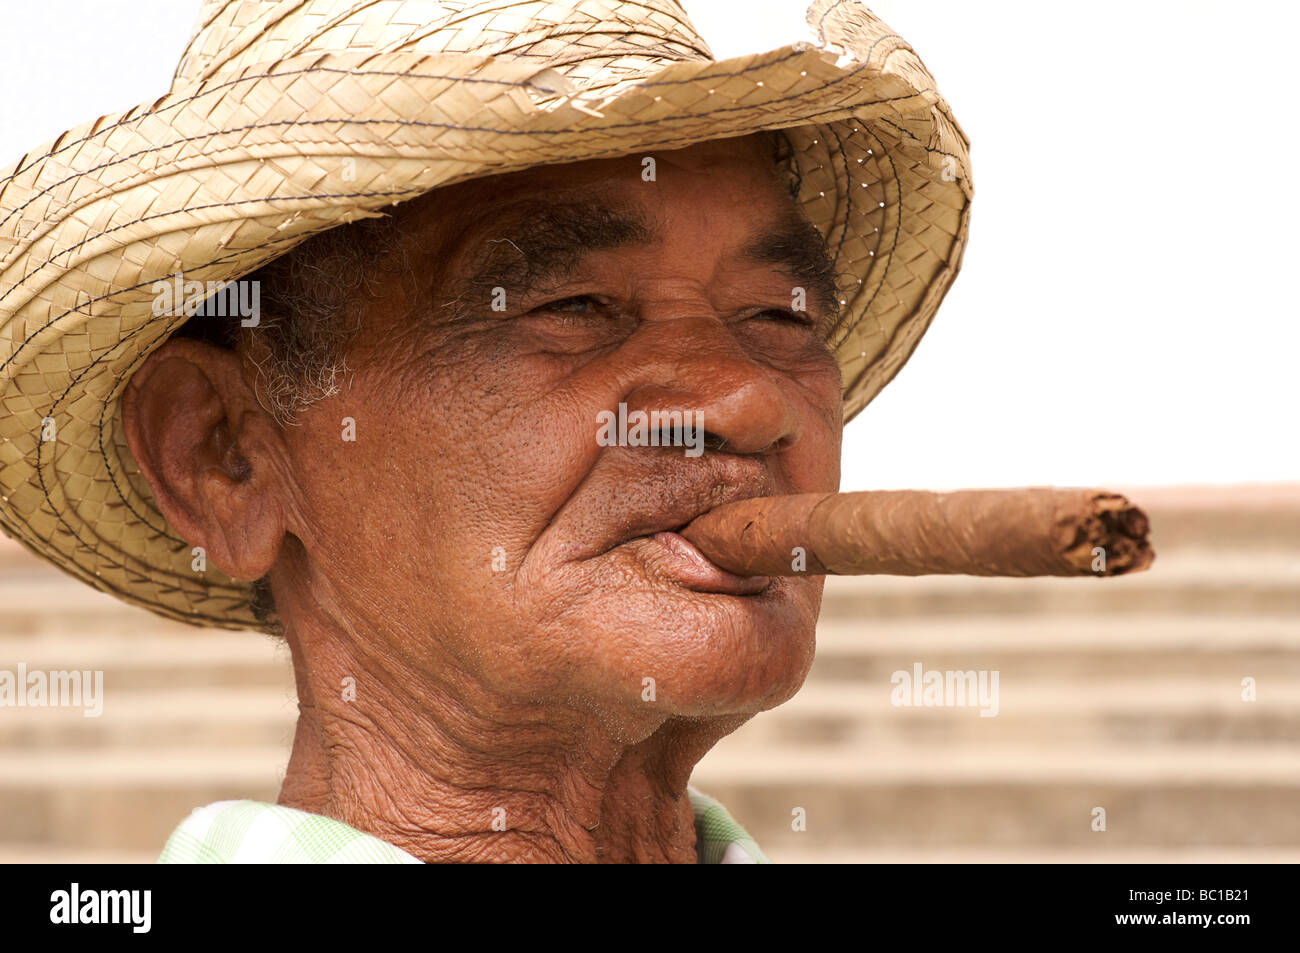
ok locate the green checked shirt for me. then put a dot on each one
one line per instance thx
(254, 832)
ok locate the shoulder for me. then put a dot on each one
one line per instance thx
(718, 838)
(255, 832)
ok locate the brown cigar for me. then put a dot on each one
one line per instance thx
(1038, 531)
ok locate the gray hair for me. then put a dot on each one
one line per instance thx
(308, 314)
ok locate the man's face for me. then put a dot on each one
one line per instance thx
(477, 520)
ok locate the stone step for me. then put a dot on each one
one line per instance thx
(200, 718)
(157, 660)
(1041, 797)
(37, 600)
(1245, 633)
(1183, 582)
(110, 800)
(1225, 516)
(1220, 646)
(1232, 767)
(56, 854)
(1133, 712)
(1026, 666)
(1007, 817)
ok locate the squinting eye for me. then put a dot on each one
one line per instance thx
(778, 314)
(566, 305)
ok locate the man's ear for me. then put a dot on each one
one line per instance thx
(207, 449)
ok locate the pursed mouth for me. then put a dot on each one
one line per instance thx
(670, 556)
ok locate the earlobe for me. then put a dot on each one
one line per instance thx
(189, 416)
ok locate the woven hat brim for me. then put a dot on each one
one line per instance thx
(217, 178)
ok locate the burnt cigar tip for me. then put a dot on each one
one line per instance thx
(1134, 522)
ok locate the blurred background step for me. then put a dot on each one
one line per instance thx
(41, 601)
(876, 765)
(1224, 646)
(1041, 815)
(199, 718)
(1019, 666)
(193, 658)
(1166, 712)
(51, 854)
(1242, 632)
(959, 797)
(1231, 517)
(124, 800)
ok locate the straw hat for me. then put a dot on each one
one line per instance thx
(287, 118)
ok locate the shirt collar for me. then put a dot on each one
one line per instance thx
(255, 832)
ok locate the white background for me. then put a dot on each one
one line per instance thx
(1125, 314)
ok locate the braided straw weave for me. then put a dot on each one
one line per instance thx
(244, 158)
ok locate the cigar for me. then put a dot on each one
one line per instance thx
(1038, 531)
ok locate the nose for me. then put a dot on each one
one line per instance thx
(696, 364)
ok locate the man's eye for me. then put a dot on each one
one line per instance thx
(579, 304)
(778, 314)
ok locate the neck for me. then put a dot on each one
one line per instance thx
(449, 772)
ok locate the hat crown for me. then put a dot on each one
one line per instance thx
(577, 37)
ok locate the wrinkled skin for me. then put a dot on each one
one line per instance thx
(523, 689)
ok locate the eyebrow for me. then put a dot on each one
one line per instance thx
(794, 244)
(548, 238)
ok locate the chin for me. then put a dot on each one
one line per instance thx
(711, 654)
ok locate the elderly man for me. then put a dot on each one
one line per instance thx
(503, 649)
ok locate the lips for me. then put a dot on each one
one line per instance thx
(671, 556)
(675, 558)
(634, 506)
